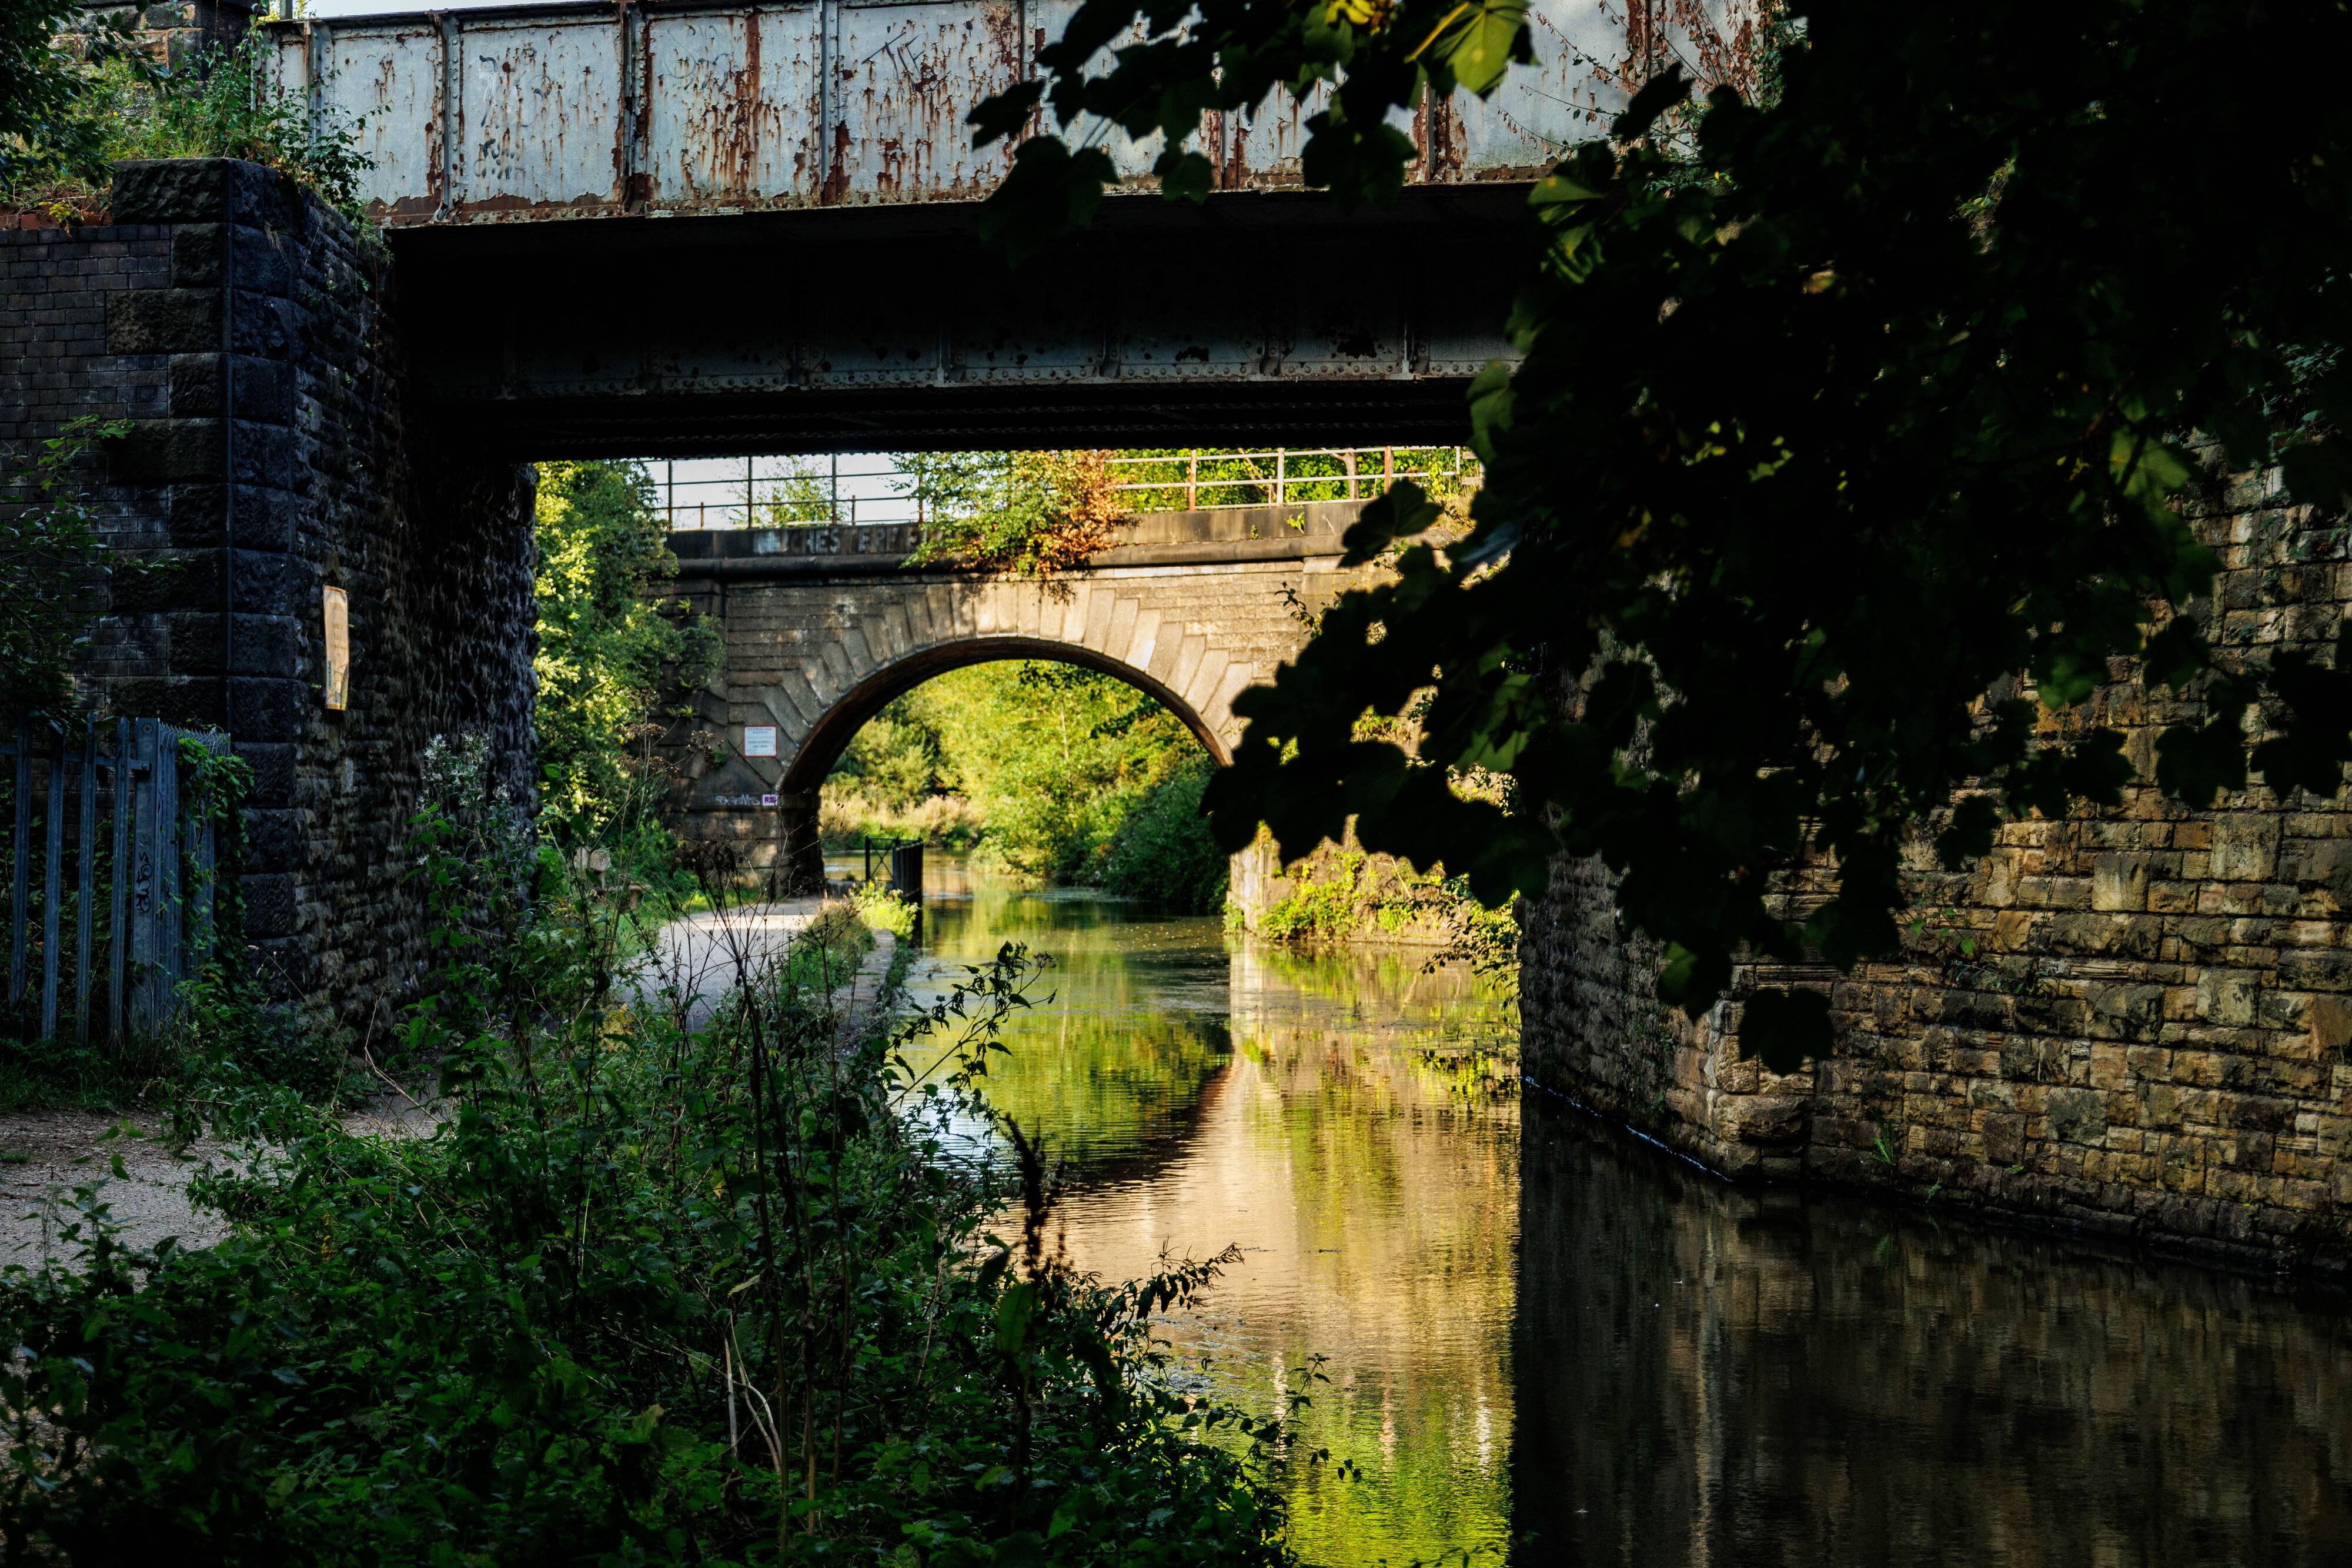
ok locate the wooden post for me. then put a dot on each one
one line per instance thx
(145, 875)
(1388, 465)
(53, 885)
(119, 879)
(20, 852)
(87, 882)
(1192, 481)
(1281, 473)
(1348, 457)
(171, 904)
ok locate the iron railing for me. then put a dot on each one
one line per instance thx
(868, 488)
(125, 890)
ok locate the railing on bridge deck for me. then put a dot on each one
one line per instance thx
(809, 492)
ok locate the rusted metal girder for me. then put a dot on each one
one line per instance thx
(691, 228)
(654, 107)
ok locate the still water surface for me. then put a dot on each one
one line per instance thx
(1550, 1343)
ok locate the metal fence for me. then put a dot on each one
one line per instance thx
(869, 487)
(110, 870)
(1213, 480)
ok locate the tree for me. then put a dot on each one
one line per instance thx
(1847, 453)
(608, 650)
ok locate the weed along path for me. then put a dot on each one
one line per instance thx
(1545, 1342)
(45, 1156)
(699, 960)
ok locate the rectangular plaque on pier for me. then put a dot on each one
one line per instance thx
(338, 610)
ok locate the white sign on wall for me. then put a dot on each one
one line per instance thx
(758, 741)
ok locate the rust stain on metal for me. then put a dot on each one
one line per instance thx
(593, 107)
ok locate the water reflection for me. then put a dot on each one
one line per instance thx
(1210, 1092)
(1539, 1332)
(1713, 1374)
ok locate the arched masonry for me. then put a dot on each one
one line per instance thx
(822, 626)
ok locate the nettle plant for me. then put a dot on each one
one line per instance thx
(1853, 446)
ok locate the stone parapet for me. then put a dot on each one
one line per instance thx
(2134, 1021)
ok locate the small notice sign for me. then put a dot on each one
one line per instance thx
(767, 799)
(338, 611)
(758, 741)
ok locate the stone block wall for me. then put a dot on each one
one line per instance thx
(822, 626)
(250, 337)
(2133, 1021)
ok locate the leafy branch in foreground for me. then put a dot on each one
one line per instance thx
(1848, 455)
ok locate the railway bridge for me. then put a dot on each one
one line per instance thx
(651, 228)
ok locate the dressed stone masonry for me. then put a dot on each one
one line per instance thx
(2135, 1022)
(245, 333)
(823, 626)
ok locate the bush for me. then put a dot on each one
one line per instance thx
(1163, 849)
(646, 1294)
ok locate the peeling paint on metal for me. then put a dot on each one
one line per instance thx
(723, 106)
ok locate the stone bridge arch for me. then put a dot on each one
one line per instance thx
(822, 626)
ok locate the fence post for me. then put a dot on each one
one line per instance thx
(88, 881)
(1192, 481)
(20, 854)
(170, 894)
(53, 881)
(146, 873)
(1281, 473)
(124, 868)
(200, 927)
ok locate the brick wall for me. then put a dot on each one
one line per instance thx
(250, 336)
(2134, 1021)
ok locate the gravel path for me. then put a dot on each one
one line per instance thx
(45, 1155)
(64, 1149)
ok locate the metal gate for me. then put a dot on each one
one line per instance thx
(112, 871)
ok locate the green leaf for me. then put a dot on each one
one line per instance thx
(1400, 512)
(1185, 176)
(1782, 1028)
(1481, 48)
(1015, 1308)
(1659, 94)
(1003, 114)
(2175, 655)
(1048, 193)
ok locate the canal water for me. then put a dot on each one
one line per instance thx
(1525, 1337)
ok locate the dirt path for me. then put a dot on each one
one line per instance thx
(45, 1155)
(64, 1149)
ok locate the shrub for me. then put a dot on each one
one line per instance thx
(1163, 849)
(648, 1293)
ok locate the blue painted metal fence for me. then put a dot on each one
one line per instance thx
(110, 871)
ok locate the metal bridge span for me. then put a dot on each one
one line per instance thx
(682, 227)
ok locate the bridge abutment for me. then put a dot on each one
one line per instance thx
(249, 338)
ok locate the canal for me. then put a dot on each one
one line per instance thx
(1524, 1336)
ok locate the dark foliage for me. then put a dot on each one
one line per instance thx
(1849, 453)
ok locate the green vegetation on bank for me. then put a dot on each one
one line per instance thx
(1057, 773)
(632, 1293)
(614, 662)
